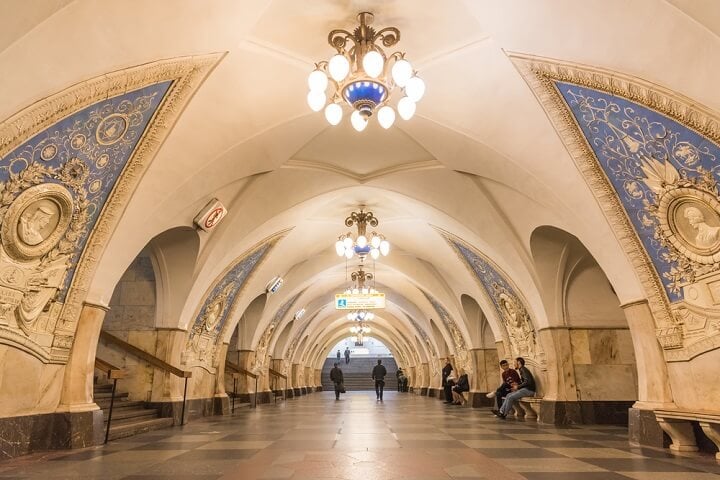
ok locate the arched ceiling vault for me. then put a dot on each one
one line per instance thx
(485, 164)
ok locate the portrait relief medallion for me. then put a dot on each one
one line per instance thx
(36, 221)
(692, 223)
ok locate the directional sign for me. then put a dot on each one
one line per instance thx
(358, 301)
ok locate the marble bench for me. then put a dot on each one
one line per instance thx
(676, 423)
(530, 407)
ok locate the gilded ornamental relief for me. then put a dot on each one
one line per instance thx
(651, 158)
(67, 166)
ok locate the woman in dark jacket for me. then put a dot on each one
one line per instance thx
(462, 385)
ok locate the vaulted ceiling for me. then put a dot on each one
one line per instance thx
(480, 160)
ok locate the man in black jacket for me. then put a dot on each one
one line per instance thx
(462, 385)
(378, 374)
(336, 376)
(447, 385)
(526, 388)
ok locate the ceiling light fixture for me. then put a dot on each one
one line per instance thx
(348, 246)
(364, 77)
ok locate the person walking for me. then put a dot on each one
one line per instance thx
(336, 376)
(378, 374)
(347, 355)
(338, 356)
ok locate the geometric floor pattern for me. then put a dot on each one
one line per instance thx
(405, 437)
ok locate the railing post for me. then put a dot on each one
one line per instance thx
(112, 402)
(234, 392)
(182, 415)
(256, 379)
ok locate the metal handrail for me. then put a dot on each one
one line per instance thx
(237, 371)
(280, 375)
(114, 373)
(152, 360)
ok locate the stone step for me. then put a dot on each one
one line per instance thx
(122, 429)
(107, 395)
(136, 413)
(104, 404)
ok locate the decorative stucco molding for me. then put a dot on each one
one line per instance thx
(68, 165)
(649, 155)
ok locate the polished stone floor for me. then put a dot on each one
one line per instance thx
(407, 436)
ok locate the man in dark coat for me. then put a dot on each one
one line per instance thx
(378, 374)
(347, 355)
(526, 388)
(447, 386)
(336, 376)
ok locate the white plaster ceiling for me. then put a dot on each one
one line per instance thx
(249, 139)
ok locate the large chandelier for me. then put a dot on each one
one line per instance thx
(360, 277)
(361, 245)
(363, 76)
(360, 316)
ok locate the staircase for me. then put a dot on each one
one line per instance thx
(129, 417)
(358, 372)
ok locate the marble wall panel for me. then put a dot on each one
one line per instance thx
(606, 382)
(30, 386)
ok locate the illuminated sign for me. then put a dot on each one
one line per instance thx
(355, 301)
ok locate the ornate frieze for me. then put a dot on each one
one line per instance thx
(462, 357)
(264, 342)
(219, 304)
(67, 166)
(520, 334)
(651, 158)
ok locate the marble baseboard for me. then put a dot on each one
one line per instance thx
(297, 391)
(289, 393)
(303, 390)
(424, 391)
(51, 431)
(319, 389)
(585, 412)
(479, 400)
(643, 429)
(434, 392)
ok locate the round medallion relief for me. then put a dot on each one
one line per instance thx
(111, 129)
(36, 221)
(692, 223)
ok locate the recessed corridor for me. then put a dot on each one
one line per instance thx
(407, 436)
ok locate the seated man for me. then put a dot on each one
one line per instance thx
(526, 388)
(399, 374)
(509, 377)
(462, 385)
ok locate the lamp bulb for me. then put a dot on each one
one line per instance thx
(339, 67)
(386, 117)
(406, 108)
(333, 113)
(373, 63)
(415, 89)
(317, 81)
(401, 72)
(316, 100)
(358, 121)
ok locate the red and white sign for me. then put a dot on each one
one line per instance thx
(210, 215)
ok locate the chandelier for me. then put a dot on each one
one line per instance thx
(360, 277)
(364, 77)
(360, 245)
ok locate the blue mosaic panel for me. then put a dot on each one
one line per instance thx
(485, 273)
(102, 137)
(622, 134)
(237, 274)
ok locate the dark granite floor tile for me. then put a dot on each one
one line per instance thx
(517, 453)
(574, 476)
(562, 444)
(422, 444)
(170, 446)
(79, 456)
(171, 477)
(209, 455)
(480, 436)
(636, 465)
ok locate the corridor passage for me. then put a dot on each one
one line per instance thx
(407, 436)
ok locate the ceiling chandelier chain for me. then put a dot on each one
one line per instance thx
(364, 77)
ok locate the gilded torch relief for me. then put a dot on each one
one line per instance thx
(651, 158)
(53, 188)
(519, 334)
(205, 334)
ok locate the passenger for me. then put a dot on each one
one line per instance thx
(347, 355)
(446, 371)
(509, 377)
(462, 385)
(336, 376)
(378, 374)
(399, 374)
(526, 388)
(338, 355)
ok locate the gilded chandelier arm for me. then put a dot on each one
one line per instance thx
(338, 39)
(389, 36)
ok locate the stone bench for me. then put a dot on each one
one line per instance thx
(530, 407)
(677, 424)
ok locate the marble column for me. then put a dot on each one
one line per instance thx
(560, 400)
(82, 424)
(486, 376)
(653, 386)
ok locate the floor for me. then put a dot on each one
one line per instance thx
(406, 436)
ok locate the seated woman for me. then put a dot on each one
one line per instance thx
(462, 385)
